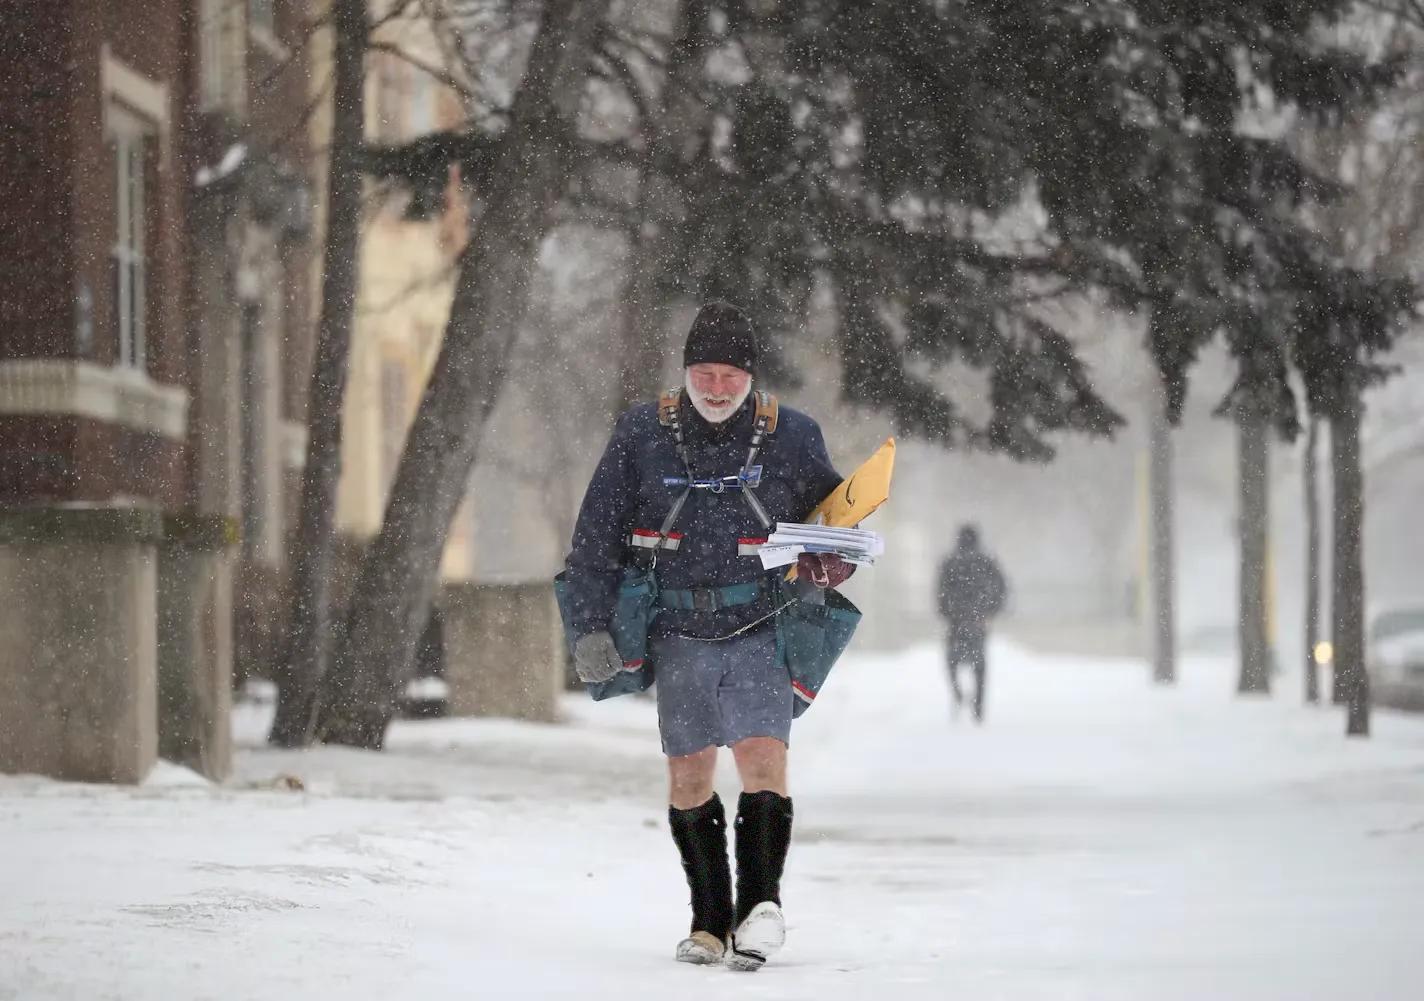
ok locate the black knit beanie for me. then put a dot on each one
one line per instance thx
(721, 334)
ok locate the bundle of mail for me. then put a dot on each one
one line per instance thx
(789, 541)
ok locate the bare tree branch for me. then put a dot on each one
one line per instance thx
(449, 39)
(295, 134)
(620, 71)
(415, 287)
(430, 70)
(396, 13)
(305, 35)
(650, 45)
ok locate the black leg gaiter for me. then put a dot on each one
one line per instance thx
(701, 837)
(763, 837)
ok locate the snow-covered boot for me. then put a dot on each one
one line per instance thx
(763, 837)
(701, 837)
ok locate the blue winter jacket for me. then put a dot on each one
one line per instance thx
(715, 534)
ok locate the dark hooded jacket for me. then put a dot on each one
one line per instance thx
(715, 534)
(972, 589)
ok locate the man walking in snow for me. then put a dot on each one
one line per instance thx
(971, 592)
(676, 489)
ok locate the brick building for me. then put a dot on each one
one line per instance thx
(155, 333)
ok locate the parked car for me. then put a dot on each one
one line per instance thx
(1394, 657)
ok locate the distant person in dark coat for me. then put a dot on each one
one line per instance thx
(971, 593)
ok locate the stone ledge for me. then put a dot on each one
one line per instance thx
(201, 532)
(97, 524)
(62, 387)
(198, 532)
(503, 650)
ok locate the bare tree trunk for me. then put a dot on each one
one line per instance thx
(641, 327)
(1253, 528)
(1348, 602)
(309, 627)
(1338, 681)
(1312, 562)
(1160, 508)
(676, 117)
(397, 581)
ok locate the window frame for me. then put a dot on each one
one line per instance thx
(422, 95)
(131, 142)
(222, 54)
(136, 128)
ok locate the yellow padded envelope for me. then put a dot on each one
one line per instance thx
(861, 493)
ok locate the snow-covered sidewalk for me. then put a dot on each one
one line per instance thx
(1096, 839)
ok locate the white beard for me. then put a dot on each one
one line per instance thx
(715, 410)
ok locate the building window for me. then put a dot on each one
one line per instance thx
(422, 104)
(131, 146)
(222, 57)
(391, 107)
(261, 16)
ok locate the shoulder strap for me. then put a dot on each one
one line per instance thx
(767, 411)
(764, 422)
(668, 405)
(763, 425)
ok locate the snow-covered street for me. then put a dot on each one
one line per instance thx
(1096, 839)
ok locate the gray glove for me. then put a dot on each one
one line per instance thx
(596, 658)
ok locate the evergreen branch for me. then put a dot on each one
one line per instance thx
(618, 70)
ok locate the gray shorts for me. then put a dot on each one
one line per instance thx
(720, 692)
